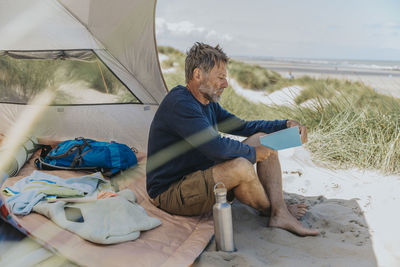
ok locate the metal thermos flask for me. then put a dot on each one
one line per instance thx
(222, 213)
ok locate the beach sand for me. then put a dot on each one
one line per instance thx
(355, 212)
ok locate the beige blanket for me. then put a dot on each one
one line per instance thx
(177, 242)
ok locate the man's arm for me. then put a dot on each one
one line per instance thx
(229, 123)
(190, 123)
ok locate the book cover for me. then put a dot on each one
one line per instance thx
(282, 139)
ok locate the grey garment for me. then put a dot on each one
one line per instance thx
(105, 221)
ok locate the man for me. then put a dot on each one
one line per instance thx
(187, 156)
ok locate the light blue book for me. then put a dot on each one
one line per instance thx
(282, 139)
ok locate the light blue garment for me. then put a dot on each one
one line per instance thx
(23, 203)
(28, 192)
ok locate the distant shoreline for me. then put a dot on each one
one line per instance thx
(332, 71)
(384, 81)
(334, 67)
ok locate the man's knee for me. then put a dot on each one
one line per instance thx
(244, 169)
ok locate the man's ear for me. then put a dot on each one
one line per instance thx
(197, 74)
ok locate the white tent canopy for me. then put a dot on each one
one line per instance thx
(120, 32)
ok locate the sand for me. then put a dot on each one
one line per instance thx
(285, 96)
(354, 211)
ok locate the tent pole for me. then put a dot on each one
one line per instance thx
(102, 76)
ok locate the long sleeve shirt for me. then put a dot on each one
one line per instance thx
(184, 137)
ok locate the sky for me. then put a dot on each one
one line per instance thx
(334, 29)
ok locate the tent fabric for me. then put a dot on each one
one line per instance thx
(177, 242)
(109, 21)
(41, 25)
(84, 55)
(124, 123)
(122, 28)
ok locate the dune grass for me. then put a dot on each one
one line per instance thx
(22, 79)
(362, 131)
(176, 59)
(350, 125)
(92, 72)
(253, 76)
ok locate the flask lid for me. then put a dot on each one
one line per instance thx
(220, 192)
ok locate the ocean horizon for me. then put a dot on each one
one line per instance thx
(324, 62)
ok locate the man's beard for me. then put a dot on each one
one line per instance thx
(209, 93)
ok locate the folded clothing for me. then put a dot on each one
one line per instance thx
(28, 191)
(104, 221)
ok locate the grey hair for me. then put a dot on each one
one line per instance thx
(203, 56)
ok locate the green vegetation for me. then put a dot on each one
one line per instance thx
(253, 76)
(327, 88)
(176, 59)
(22, 79)
(362, 132)
(172, 79)
(92, 73)
(349, 124)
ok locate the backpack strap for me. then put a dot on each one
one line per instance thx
(42, 165)
(70, 151)
(78, 159)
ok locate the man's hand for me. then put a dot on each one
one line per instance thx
(263, 152)
(302, 130)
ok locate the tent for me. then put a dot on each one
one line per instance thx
(118, 37)
(119, 33)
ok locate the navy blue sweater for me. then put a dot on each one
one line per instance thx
(184, 137)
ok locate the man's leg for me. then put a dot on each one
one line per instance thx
(239, 174)
(270, 175)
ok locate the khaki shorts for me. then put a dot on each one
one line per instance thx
(192, 195)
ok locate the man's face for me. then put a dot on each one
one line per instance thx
(213, 84)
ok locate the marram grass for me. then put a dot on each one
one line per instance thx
(366, 137)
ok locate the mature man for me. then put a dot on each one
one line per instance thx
(187, 156)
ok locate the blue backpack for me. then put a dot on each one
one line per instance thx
(87, 154)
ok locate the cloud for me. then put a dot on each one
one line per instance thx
(188, 29)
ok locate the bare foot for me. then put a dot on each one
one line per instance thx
(297, 210)
(286, 221)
